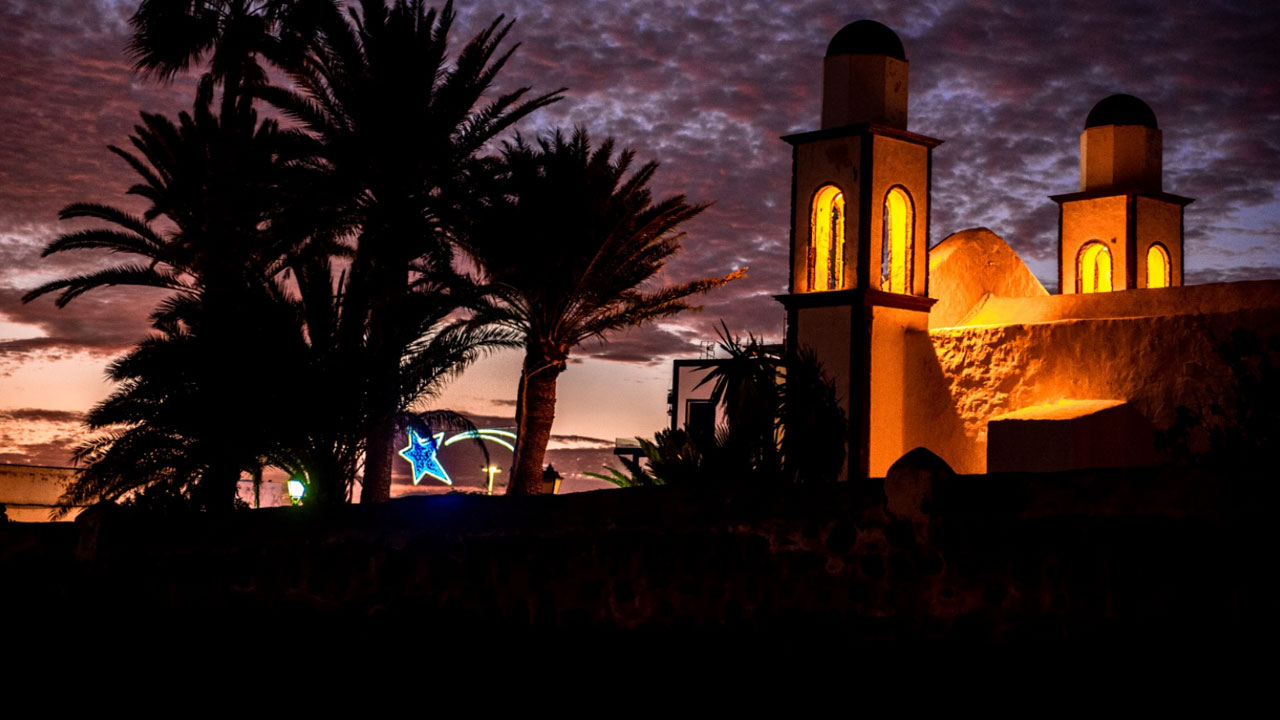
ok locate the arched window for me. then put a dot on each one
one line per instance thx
(898, 244)
(1093, 270)
(1158, 271)
(826, 251)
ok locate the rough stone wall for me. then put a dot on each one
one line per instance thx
(1157, 349)
(1012, 560)
(1155, 363)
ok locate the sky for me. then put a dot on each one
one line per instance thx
(706, 89)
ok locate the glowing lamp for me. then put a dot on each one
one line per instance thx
(296, 490)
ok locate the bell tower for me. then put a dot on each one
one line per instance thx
(1121, 231)
(860, 237)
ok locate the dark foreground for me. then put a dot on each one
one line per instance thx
(1159, 561)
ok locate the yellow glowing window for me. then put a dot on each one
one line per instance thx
(826, 252)
(1093, 274)
(1158, 271)
(897, 254)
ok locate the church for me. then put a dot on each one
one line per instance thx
(958, 348)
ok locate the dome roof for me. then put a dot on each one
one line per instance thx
(1121, 110)
(866, 37)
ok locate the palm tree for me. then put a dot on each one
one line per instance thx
(568, 247)
(783, 420)
(163, 428)
(783, 424)
(747, 385)
(400, 131)
(211, 185)
(229, 37)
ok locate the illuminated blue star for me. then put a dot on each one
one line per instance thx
(421, 454)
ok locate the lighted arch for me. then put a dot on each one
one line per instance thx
(826, 250)
(898, 242)
(1093, 269)
(1159, 272)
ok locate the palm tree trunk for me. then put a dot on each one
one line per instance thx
(223, 384)
(536, 413)
(377, 462)
(385, 348)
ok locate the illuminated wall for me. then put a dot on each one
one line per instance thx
(827, 331)
(1093, 220)
(1157, 350)
(1128, 225)
(891, 391)
(1121, 156)
(824, 170)
(1158, 223)
(900, 178)
(864, 88)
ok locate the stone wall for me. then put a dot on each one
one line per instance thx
(1005, 560)
(1157, 349)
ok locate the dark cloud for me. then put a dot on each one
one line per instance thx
(103, 322)
(41, 415)
(54, 453)
(1212, 275)
(37, 436)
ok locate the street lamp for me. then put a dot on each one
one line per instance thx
(296, 490)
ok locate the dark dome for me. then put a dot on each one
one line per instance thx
(866, 37)
(1121, 110)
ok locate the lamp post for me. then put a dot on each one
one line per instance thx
(551, 481)
(490, 471)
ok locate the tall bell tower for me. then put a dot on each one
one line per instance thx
(1121, 231)
(860, 237)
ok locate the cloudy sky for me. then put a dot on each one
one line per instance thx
(706, 88)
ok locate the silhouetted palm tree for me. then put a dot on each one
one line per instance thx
(747, 385)
(783, 424)
(783, 421)
(212, 183)
(230, 38)
(400, 131)
(164, 427)
(568, 248)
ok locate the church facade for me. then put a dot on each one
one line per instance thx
(959, 348)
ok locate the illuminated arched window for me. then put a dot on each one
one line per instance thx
(897, 242)
(1159, 273)
(1093, 271)
(826, 251)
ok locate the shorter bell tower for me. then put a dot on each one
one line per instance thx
(1121, 231)
(860, 238)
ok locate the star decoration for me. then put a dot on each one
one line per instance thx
(421, 454)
